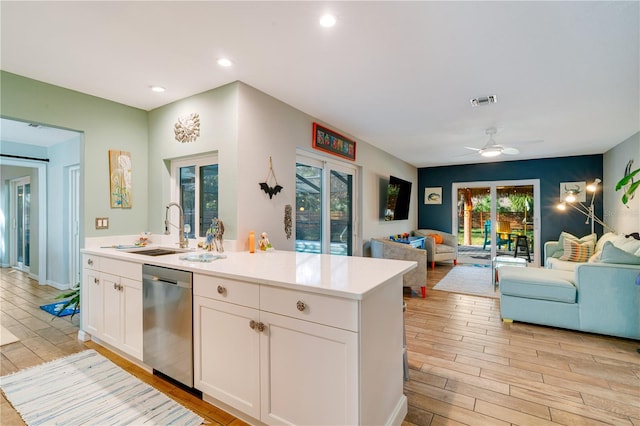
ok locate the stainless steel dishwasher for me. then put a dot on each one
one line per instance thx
(167, 322)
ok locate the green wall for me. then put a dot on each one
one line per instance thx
(106, 125)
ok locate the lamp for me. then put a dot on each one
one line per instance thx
(570, 199)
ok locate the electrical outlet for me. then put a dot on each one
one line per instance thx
(102, 223)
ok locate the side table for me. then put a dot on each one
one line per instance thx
(498, 261)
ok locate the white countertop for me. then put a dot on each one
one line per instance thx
(344, 276)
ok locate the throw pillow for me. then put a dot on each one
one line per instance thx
(567, 236)
(609, 236)
(575, 251)
(613, 254)
(630, 245)
(437, 237)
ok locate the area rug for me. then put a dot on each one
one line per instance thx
(475, 280)
(7, 337)
(86, 388)
(54, 309)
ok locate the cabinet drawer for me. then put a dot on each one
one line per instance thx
(227, 290)
(90, 261)
(318, 308)
(121, 268)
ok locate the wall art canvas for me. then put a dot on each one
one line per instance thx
(578, 188)
(433, 195)
(120, 179)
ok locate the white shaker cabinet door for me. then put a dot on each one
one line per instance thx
(91, 303)
(309, 373)
(227, 353)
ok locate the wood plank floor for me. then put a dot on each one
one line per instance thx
(466, 366)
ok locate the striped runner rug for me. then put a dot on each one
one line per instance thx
(86, 388)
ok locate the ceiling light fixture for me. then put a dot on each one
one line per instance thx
(224, 62)
(157, 89)
(328, 20)
(484, 100)
(491, 151)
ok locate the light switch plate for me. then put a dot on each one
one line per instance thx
(102, 223)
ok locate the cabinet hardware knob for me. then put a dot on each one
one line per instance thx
(301, 305)
(96, 280)
(221, 290)
(90, 261)
(261, 327)
(252, 324)
(115, 286)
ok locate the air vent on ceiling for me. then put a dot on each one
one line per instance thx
(34, 125)
(485, 100)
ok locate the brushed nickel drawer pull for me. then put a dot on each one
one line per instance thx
(221, 290)
(301, 305)
(252, 324)
(90, 261)
(261, 327)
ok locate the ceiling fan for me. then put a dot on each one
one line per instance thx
(493, 149)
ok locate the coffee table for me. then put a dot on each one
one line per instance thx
(499, 261)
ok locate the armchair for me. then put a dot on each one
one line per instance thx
(439, 252)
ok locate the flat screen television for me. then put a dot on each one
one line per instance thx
(398, 198)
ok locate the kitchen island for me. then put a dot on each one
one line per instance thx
(279, 337)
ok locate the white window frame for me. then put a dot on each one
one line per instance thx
(197, 161)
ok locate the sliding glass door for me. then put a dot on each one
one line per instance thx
(491, 216)
(325, 208)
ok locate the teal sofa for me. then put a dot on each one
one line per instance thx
(595, 297)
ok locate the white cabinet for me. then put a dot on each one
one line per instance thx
(281, 367)
(112, 293)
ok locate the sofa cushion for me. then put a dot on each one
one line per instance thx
(612, 254)
(442, 248)
(561, 265)
(630, 245)
(537, 283)
(575, 251)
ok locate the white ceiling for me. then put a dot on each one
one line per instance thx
(398, 75)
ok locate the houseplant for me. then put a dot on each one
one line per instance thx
(74, 301)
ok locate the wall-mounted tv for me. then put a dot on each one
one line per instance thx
(398, 197)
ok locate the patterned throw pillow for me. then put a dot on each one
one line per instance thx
(567, 236)
(575, 251)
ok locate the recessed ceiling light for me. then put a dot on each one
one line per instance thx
(157, 89)
(328, 21)
(224, 62)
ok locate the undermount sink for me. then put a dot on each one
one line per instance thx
(155, 251)
(202, 257)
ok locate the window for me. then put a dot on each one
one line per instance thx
(195, 188)
(325, 206)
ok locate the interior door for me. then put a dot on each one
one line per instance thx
(21, 223)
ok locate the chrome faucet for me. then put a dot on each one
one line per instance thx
(184, 241)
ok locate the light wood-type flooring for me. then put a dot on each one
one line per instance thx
(466, 366)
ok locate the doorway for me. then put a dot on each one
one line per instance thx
(497, 218)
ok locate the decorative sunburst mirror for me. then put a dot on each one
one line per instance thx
(187, 128)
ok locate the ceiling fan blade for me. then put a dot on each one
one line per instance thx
(472, 148)
(508, 150)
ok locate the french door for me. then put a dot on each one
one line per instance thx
(21, 223)
(325, 206)
(490, 216)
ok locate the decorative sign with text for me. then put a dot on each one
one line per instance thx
(333, 143)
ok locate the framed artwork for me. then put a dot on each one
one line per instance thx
(433, 195)
(579, 189)
(334, 143)
(120, 179)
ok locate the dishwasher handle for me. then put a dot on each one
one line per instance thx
(163, 280)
